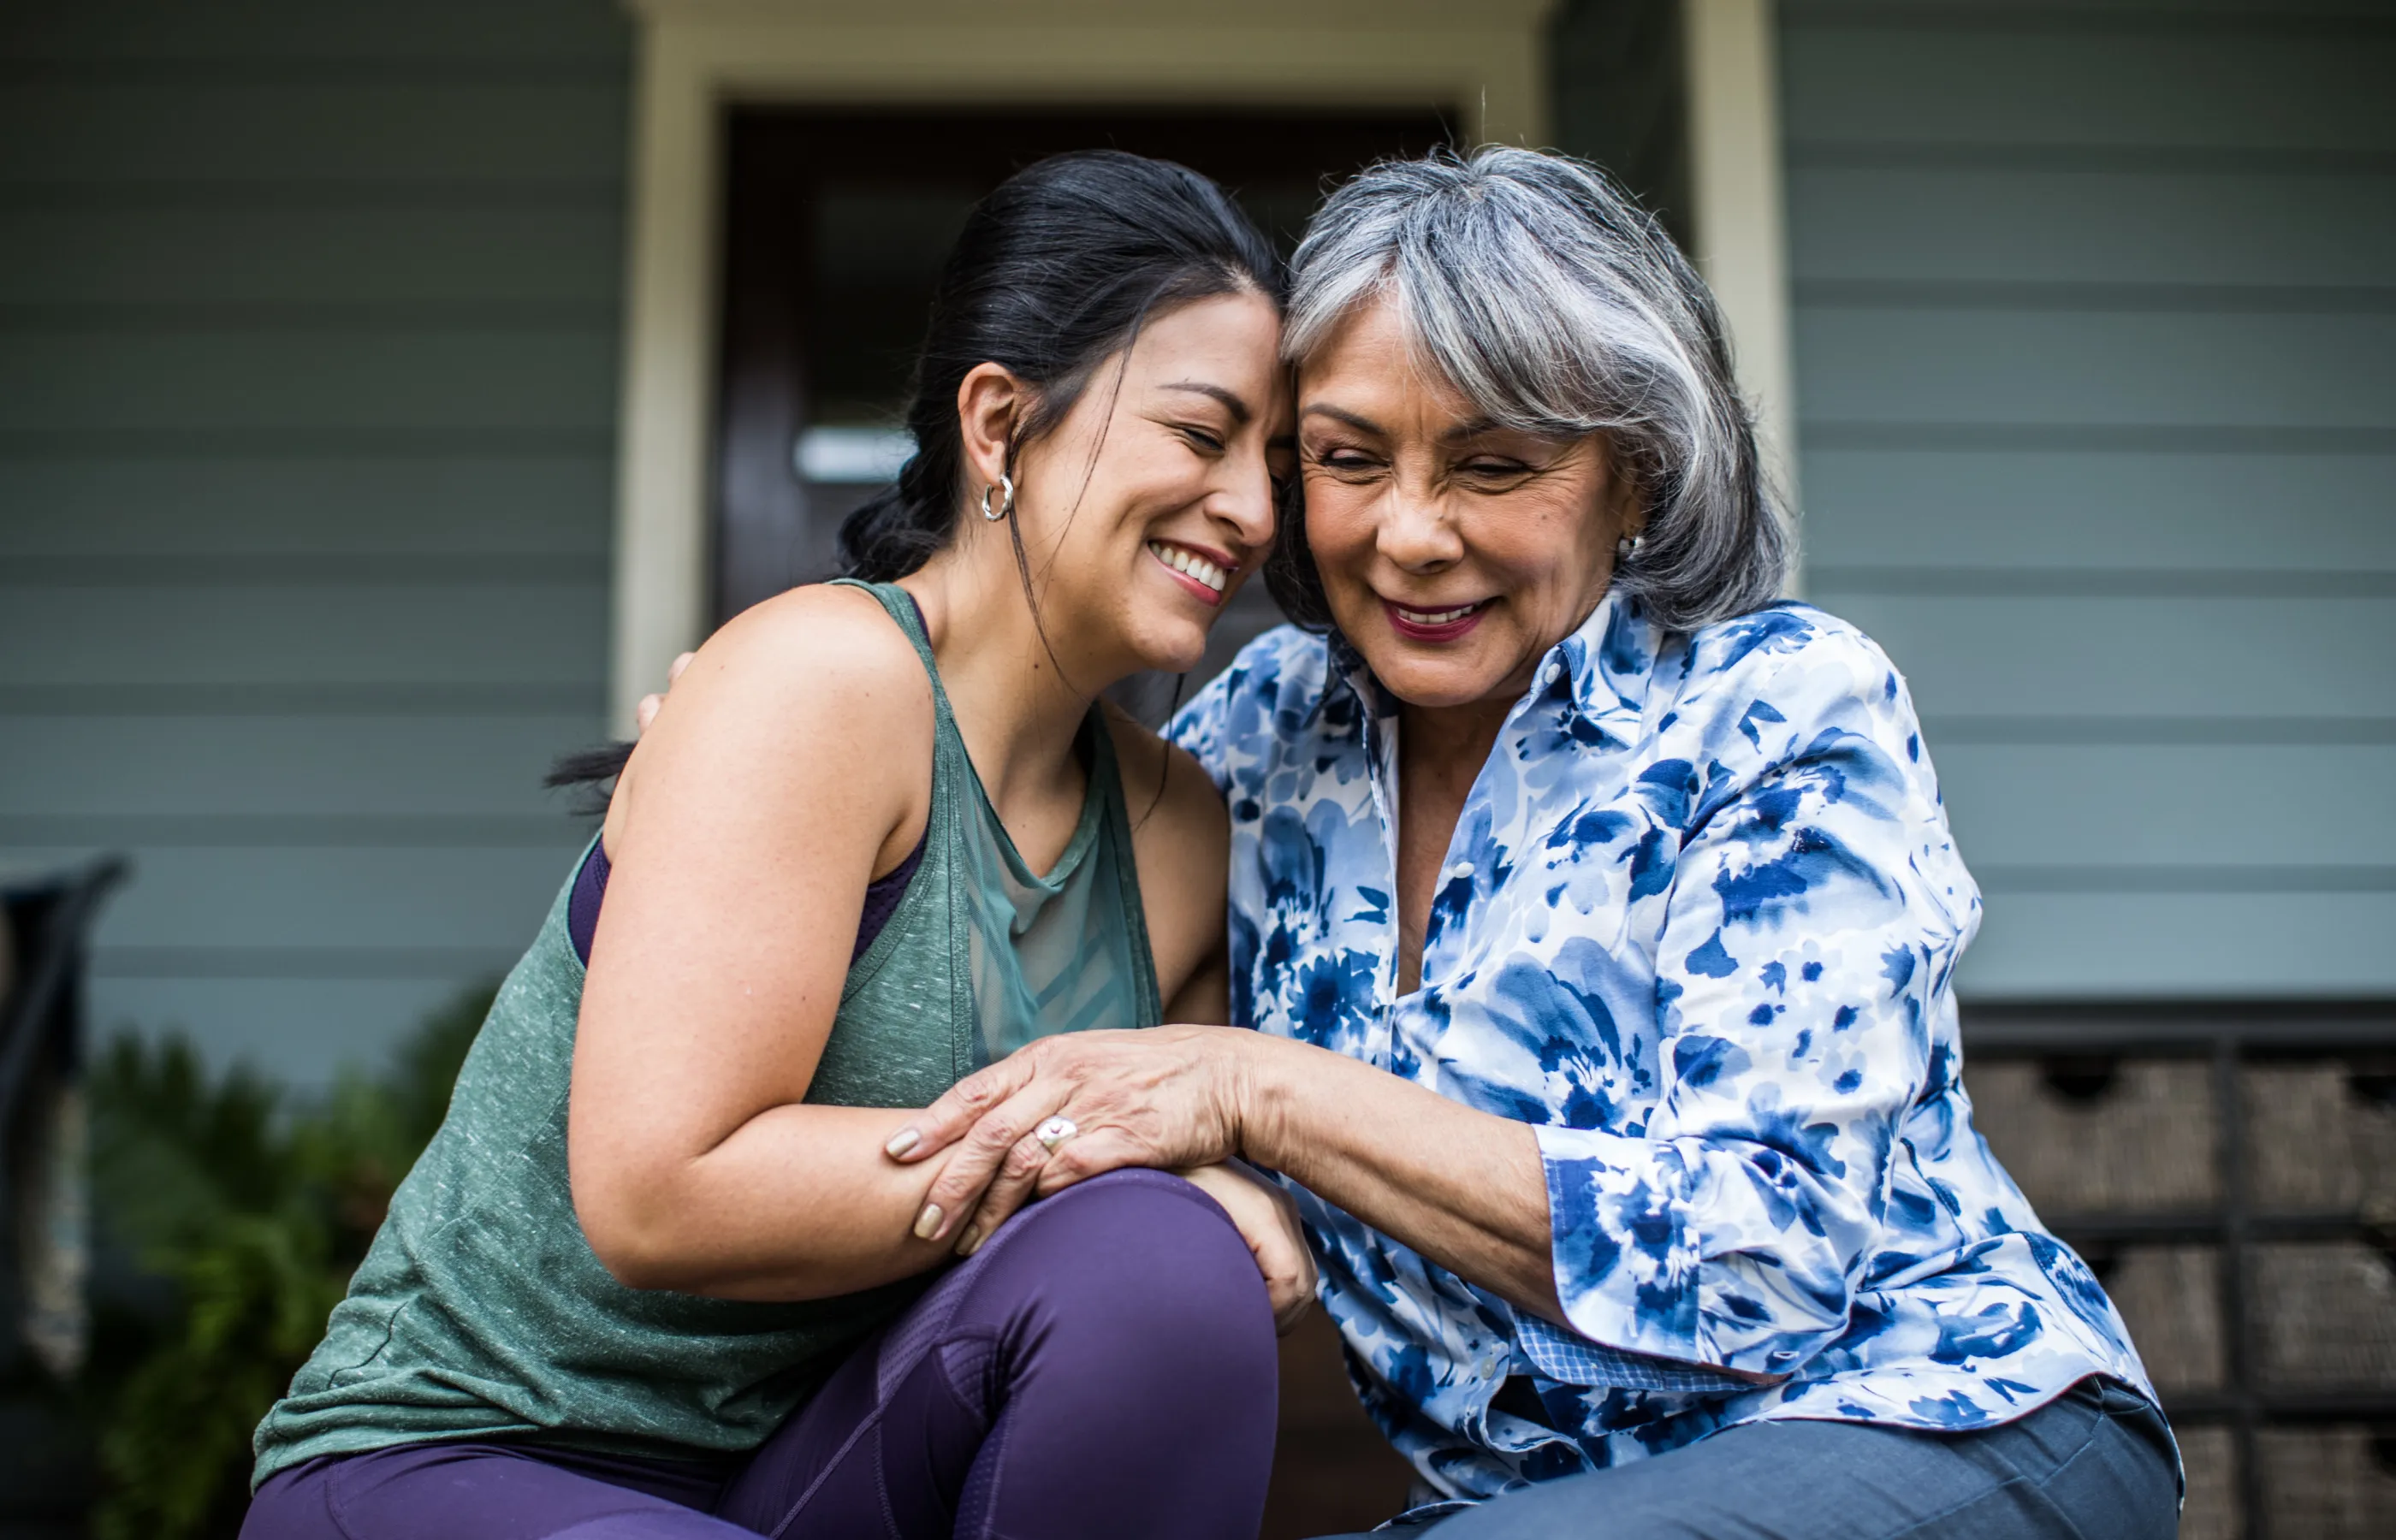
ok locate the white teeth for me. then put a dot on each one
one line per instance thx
(1181, 561)
(1433, 617)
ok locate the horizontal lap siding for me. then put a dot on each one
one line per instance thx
(309, 326)
(2096, 322)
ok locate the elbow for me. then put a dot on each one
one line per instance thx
(630, 1226)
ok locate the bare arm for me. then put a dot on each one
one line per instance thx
(741, 841)
(1465, 1188)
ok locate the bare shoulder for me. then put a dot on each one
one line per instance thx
(810, 685)
(816, 640)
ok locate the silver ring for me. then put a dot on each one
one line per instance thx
(1054, 1132)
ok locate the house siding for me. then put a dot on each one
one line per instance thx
(308, 325)
(2095, 310)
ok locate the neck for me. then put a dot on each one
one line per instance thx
(1444, 747)
(1016, 711)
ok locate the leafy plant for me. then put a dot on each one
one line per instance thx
(251, 1213)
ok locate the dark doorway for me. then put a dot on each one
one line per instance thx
(836, 224)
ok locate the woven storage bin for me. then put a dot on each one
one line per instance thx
(2328, 1483)
(2322, 1317)
(2171, 1297)
(2212, 1464)
(2313, 1144)
(2145, 1142)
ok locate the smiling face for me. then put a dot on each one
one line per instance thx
(1454, 553)
(1153, 501)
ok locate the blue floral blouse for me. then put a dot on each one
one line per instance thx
(1698, 926)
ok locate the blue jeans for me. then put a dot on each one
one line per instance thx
(2096, 1465)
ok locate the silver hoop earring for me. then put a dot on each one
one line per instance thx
(1006, 489)
(1628, 547)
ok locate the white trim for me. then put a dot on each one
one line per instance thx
(1485, 59)
(1742, 228)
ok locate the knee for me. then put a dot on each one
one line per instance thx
(1152, 1241)
(1150, 1225)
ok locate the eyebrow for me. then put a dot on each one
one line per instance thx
(1473, 428)
(1362, 424)
(1240, 413)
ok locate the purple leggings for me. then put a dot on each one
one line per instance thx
(1104, 1366)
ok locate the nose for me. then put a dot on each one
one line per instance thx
(1246, 508)
(1415, 532)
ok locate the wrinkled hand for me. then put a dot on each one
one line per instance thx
(1267, 1219)
(1166, 1097)
(647, 712)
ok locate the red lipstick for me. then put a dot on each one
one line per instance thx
(1446, 631)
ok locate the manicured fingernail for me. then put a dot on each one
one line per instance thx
(927, 1221)
(901, 1142)
(970, 1241)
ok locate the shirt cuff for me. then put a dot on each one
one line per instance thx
(1623, 1242)
(1568, 1358)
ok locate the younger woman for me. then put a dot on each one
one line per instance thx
(655, 1276)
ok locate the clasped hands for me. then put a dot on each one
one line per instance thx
(1168, 1098)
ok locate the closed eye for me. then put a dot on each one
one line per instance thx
(1344, 461)
(1486, 474)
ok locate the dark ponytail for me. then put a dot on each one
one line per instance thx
(1055, 272)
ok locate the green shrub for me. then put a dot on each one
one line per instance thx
(252, 1212)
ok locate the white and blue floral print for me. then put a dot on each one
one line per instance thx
(1697, 925)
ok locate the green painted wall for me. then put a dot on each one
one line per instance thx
(309, 324)
(2095, 345)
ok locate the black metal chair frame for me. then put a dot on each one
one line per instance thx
(51, 921)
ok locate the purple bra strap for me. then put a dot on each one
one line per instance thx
(882, 898)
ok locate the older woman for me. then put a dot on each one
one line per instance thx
(1598, 918)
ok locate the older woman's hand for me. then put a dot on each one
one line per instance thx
(1166, 1097)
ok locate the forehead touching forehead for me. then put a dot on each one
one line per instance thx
(1223, 349)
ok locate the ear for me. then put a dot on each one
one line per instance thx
(989, 402)
(1624, 506)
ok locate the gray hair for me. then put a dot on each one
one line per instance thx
(1553, 304)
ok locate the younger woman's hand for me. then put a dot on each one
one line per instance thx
(1268, 1222)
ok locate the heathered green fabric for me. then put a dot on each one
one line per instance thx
(480, 1312)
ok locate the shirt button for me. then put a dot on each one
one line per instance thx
(1551, 674)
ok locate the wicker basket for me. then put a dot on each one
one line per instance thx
(2145, 1142)
(2314, 1143)
(2328, 1483)
(2324, 1317)
(2171, 1297)
(2212, 1463)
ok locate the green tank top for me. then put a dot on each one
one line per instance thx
(480, 1311)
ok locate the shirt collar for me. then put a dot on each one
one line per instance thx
(1602, 669)
(1607, 662)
